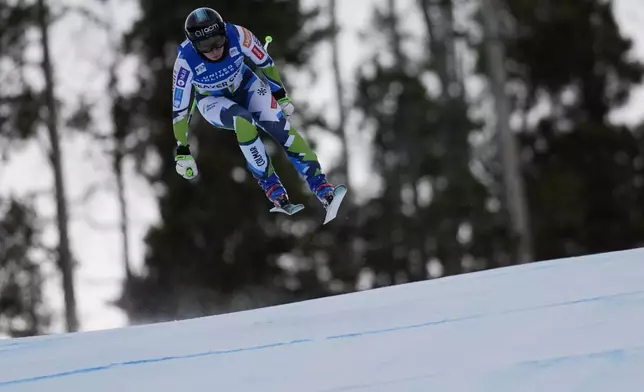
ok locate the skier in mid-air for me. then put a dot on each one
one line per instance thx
(230, 95)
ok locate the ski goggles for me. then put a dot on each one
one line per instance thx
(211, 43)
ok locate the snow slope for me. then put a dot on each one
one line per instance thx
(563, 325)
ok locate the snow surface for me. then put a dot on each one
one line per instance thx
(563, 325)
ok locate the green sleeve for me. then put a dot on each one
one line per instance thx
(181, 131)
(180, 127)
(273, 76)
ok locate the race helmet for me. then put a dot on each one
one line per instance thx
(205, 29)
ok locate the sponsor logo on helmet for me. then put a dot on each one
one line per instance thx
(206, 30)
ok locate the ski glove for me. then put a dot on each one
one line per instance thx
(287, 106)
(185, 163)
(284, 101)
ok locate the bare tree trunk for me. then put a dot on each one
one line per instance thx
(119, 134)
(65, 261)
(439, 20)
(407, 167)
(396, 37)
(124, 224)
(514, 187)
(339, 90)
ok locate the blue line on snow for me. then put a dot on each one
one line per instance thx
(295, 342)
(146, 361)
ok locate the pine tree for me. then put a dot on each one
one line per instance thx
(584, 174)
(22, 311)
(18, 101)
(432, 206)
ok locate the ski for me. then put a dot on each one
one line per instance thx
(288, 209)
(332, 210)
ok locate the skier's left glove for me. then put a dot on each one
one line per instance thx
(284, 101)
(287, 106)
(185, 163)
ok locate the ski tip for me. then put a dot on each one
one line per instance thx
(332, 211)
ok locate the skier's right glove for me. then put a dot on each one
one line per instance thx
(185, 163)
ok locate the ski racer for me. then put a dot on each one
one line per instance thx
(229, 95)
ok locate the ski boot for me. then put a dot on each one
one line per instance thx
(324, 193)
(276, 193)
(330, 196)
